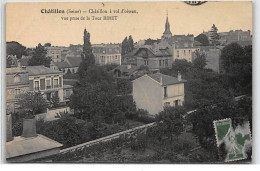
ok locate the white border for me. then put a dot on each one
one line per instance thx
(256, 96)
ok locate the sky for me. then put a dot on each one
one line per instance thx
(27, 25)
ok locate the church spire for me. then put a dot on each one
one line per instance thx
(167, 33)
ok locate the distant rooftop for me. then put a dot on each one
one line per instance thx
(62, 64)
(23, 146)
(166, 79)
(41, 70)
(74, 61)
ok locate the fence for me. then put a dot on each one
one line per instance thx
(108, 138)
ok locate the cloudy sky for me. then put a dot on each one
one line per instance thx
(26, 24)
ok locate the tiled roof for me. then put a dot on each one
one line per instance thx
(166, 79)
(62, 64)
(106, 48)
(156, 51)
(15, 70)
(22, 146)
(74, 61)
(41, 70)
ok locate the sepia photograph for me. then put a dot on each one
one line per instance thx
(128, 82)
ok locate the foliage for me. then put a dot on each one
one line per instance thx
(202, 38)
(69, 75)
(15, 48)
(32, 103)
(200, 61)
(214, 36)
(127, 45)
(237, 65)
(55, 100)
(124, 86)
(87, 56)
(202, 119)
(170, 121)
(64, 130)
(39, 57)
(139, 143)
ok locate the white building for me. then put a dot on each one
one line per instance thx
(155, 91)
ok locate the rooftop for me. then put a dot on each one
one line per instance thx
(166, 79)
(41, 70)
(62, 64)
(74, 61)
(23, 146)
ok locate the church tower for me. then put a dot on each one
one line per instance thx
(167, 33)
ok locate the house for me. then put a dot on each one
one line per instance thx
(67, 92)
(29, 146)
(46, 80)
(74, 63)
(212, 57)
(153, 57)
(107, 54)
(17, 82)
(153, 92)
(54, 53)
(60, 66)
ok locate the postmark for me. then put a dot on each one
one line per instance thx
(237, 140)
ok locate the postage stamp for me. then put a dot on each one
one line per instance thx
(237, 140)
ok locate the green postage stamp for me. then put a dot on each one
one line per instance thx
(237, 140)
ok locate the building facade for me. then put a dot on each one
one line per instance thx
(107, 54)
(17, 82)
(153, 92)
(46, 80)
(153, 57)
(54, 53)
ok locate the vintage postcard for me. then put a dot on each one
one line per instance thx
(129, 82)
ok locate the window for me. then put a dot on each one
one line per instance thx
(57, 56)
(56, 83)
(17, 79)
(178, 53)
(145, 62)
(166, 104)
(165, 92)
(48, 84)
(163, 62)
(184, 52)
(176, 102)
(160, 63)
(166, 62)
(36, 85)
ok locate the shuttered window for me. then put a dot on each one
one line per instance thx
(42, 84)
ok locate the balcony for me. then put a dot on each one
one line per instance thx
(36, 88)
(56, 86)
(48, 87)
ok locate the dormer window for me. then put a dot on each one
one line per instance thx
(17, 79)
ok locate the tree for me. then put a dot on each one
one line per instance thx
(15, 48)
(171, 121)
(87, 56)
(130, 47)
(47, 45)
(213, 35)
(231, 54)
(39, 57)
(32, 103)
(200, 61)
(124, 47)
(203, 39)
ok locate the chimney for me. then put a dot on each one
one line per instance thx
(179, 76)
(9, 133)
(29, 128)
(161, 78)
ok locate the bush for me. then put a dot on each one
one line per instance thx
(139, 143)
